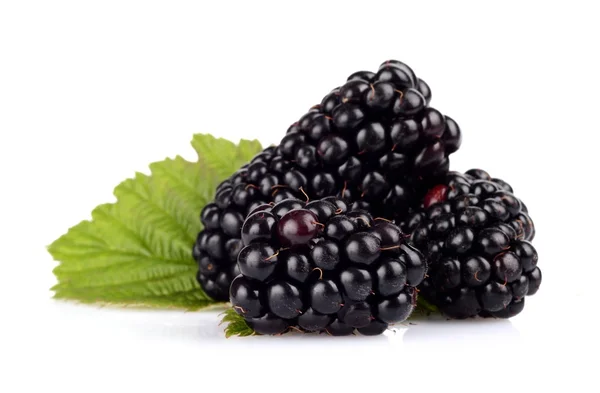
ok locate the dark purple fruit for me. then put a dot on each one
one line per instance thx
(284, 299)
(397, 308)
(363, 248)
(297, 227)
(258, 261)
(244, 297)
(325, 297)
(259, 227)
(474, 231)
(268, 324)
(356, 283)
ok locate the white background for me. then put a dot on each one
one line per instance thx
(91, 92)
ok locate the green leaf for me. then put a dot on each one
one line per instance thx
(137, 251)
(426, 306)
(424, 309)
(221, 155)
(236, 325)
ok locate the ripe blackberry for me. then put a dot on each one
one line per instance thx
(355, 277)
(477, 237)
(373, 142)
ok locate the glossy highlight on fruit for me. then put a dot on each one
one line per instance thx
(297, 227)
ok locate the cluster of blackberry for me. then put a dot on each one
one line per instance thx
(318, 267)
(372, 148)
(476, 235)
(374, 142)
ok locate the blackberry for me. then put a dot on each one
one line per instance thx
(373, 142)
(358, 277)
(382, 146)
(477, 237)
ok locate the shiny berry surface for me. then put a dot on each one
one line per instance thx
(325, 297)
(244, 297)
(363, 248)
(284, 299)
(297, 227)
(285, 206)
(258, 261)
(477, 238)
(356, 283)
(259, 226)
(268, 324)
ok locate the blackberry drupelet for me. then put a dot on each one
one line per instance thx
(373, 142)
(477, 237)
(219, 243)
(320, 268)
